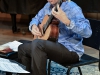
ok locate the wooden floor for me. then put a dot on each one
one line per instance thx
(6, 34)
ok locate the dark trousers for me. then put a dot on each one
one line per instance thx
(34, 55)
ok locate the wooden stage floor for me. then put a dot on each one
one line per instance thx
(6, 34)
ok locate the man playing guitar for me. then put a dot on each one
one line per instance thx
(68, 47)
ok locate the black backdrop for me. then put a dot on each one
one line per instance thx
(33, 6)
(89, 5)
(21, 6)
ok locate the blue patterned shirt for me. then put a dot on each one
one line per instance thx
(71, 37)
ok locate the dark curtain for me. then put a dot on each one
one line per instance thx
(21, 6)
(89, 5)
(33, 6)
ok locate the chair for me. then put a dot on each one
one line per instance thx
(93, 42)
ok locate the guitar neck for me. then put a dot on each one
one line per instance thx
(47, 23)
(51, 17)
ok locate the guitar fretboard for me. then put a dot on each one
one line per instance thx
(50, 18)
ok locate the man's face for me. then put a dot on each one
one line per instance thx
(53, 2)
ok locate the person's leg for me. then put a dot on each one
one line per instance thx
(41, 50)
(24, 52)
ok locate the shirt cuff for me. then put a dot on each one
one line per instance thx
(30, 27)
(71, 25)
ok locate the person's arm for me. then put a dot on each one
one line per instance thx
(33, 26)
(36, 19)
(77, 22)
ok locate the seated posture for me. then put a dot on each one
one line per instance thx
(67, 47)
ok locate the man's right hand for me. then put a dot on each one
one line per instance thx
(35, 31)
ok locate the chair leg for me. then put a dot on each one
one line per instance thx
(49, 66)
(14, 27)
(68, 71)
(80, 70)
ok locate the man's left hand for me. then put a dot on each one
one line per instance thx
(60, 14)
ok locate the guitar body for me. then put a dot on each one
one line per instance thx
(51, 32)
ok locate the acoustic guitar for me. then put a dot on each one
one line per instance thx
(51, 32)
(49, 27)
